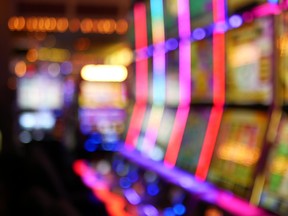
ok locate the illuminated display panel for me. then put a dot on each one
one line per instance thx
(102, 95)
(249, 63)
(39, 92)
(201, 13)
(237, 150)
(283, 44)
(104, 121)
(193, 139)
(202, 70)
(275, 192)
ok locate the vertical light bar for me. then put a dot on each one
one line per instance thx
(139, 110)
(184, 83)
(141, 42)
(158, 37)
(159, 79)
(176, 136)
(135, 125)
(218, 90)
(152, 129)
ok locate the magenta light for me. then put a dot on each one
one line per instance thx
(266, 9)
(184, 52)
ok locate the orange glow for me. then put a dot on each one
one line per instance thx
(62, 24)
(86, 25)
(95, 26)
(20, 69)
(41, 25)
(74, 25)
(20, 24)
(100, 26)
(121, 26)
(29, 24)
(50, 24)
(11, 25)
(32, 55)
(108, 26)
(34, 24)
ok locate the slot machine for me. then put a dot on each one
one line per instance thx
(274, 190)
(249, 97)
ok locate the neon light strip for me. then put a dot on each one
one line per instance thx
(266, 9)
(141, 77)
(218, 93)
(141, 41)
(135, 125)
(159, 79)
(158, 36)
(209, 143)
(176, 136)
(184, 84)
(114, 203)
(152, 129)
(184, 51)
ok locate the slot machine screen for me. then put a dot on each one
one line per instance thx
(249, 63)
(275, 193)
(201, 69)
(39, 92)
(102, 95)
(282, 43)
(237, 150)
(193, 139)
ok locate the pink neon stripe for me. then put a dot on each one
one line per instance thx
(140, 25)
(209, 143)
(176, 136)
(266, 9)
(184, 52)
(218, 10)
(142, 81)
(219, 69)
(141, 77)
(135, 125)
(218, 93)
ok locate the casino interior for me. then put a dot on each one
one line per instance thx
(144, 107)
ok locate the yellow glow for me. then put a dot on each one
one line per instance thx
(123, 56)
(104, 73)
(53, 54)
(239, 153)
(20, 68)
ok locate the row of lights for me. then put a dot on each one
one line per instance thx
(61, 24)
